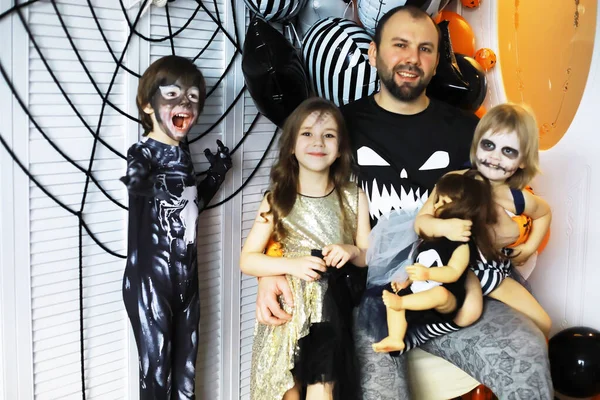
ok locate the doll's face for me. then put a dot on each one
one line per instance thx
(499, 155)
(175, 108)
(440, 202)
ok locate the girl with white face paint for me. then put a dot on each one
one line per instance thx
(505, 151)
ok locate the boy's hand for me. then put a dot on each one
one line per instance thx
(220, 162)
(336, 255)
(307, 268)
(417, 272)
(456, 230)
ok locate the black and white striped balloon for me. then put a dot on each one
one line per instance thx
(335, 51)
(275, 10)
(370, 11)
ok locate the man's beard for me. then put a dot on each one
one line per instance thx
(404, 92)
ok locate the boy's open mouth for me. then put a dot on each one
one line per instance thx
(181, 120)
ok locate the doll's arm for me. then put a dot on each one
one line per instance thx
(220, 163)
(447, 274)
(254, 262)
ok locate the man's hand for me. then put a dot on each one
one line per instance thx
(456, 230)
(268, 310)
(417, 272)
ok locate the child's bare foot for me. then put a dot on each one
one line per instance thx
(392, 300)
(389, 344)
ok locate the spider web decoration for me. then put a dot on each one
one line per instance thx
(205, 12)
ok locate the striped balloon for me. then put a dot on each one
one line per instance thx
(335, 51)
(275, 10)
(370, 11)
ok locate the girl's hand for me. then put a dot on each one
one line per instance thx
(307, 268)
(523, 252)
(417, 272)
(336, 255)
(398, 286)
(456, 230)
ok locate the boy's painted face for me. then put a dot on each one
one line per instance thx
(317, 144)
(499, 155)
(176, 109)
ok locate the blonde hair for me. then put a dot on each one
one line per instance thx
(511, 117)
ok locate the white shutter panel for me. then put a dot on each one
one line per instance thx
(54, 232)
(188, 44)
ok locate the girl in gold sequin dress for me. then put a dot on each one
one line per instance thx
(312, 206)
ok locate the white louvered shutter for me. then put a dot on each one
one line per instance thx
(54, 244)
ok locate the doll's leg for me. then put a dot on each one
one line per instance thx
(472, 307)
(511, 293)
(185, 350)
(150, 314)
(438, 298)
(396, 322)
(319, 391)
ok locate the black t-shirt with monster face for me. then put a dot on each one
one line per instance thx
(401, 157)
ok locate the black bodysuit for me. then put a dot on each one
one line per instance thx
(160, 284)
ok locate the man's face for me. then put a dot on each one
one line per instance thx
(176, 109)
(407, 56)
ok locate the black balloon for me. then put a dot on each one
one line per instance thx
(459, 80)
(575, 361)
(274, 72)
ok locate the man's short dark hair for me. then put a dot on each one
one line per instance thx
(414, 12)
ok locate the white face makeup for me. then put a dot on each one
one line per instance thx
(499, 155)
(176, 109)
(317, 144)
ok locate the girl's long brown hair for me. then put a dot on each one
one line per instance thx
(284, 173)
(472, 199)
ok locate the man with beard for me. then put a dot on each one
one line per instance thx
(404, 142)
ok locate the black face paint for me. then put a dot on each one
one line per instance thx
(176, 109)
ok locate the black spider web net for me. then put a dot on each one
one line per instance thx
(96, 132)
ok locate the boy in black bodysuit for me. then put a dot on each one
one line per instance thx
(160, 284)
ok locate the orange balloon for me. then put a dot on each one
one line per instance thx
(480, 111)
(437, 18)
(471, 3)
(461, 34)
(486, 58)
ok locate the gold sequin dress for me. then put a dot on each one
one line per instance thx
(313, 223)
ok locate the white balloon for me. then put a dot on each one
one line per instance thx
(321, 9)
(335, 51)
(370, 11)
(275, 10)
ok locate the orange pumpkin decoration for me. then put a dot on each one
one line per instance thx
(486, 58)
(471, 3)
(274, 249)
